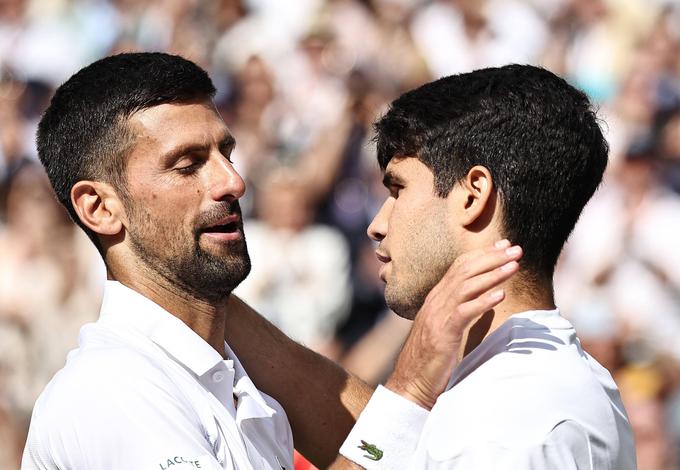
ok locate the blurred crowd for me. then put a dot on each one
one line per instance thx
(299, 84)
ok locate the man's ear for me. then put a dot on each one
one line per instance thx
(98, 207)
(479, 197)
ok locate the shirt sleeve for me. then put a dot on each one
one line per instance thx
(386, 434)
(108, 420)
(566, 447)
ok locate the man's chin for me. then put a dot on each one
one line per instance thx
(403, 307)
(216, 282)
(213, 272)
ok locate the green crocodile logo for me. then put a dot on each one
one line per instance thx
(373, 452)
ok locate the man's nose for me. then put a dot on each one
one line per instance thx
(377, 230)
(224, 181)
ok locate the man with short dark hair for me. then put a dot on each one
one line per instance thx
(510, 152)
(137, 153)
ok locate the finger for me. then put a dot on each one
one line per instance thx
(477, 285)
(476, 307)
(472, 254)
(482, 260)
(492, 260)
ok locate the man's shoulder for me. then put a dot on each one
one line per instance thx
(116, 400)
(99, 375)
(562, 379)
(518, 398)
(102, 392)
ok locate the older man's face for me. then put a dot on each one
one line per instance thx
(184, 220)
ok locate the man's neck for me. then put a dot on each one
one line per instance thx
(519, 298)
(205, 318)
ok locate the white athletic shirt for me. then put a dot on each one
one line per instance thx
(143, 391)
(528, 397)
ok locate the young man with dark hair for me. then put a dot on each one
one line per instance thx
(137, 153)
(510, 152)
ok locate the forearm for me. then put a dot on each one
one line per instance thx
(321, 399)
(341, 463)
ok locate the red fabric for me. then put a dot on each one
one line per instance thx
(302, 463)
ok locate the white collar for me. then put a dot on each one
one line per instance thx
(128, 308)
(532, 326)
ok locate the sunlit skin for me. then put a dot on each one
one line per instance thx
(180, 182)
(189, 171)
(420, 234)
(416, 235)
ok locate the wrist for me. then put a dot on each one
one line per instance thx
(411, 390)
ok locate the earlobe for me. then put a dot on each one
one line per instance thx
(479, 196)
(97, 206)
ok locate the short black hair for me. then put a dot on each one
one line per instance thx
(537, 135)
(84, 135)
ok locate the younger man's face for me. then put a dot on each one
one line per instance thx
(184, 220)
(416, 235)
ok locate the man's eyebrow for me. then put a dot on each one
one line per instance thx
(227, 142)
(390, 179)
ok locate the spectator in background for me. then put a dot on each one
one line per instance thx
(12, 435)
(396, 58)
(642, 390)
(251, 113)
(47, 40)
(624, 250)
(592, 42)
(457, 36)
(669, 147)
(312, 94)
(46, 271)
(646, 87)
(300, 270)
(24, 252)
(12, 156)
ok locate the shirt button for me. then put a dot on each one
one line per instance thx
(218, 376)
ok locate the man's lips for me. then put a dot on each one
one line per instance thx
(224, 221)
(383, 259)
(226, 228)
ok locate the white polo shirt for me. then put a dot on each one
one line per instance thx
(143, 391)
(528, 397)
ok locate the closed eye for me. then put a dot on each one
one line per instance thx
(189, 166)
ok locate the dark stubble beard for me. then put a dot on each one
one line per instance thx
(407, 296)
(406, 301)
(183, 263)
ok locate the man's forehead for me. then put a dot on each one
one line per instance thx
(394, 166)
(170, 124)
(165, 114)
(405, 168)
